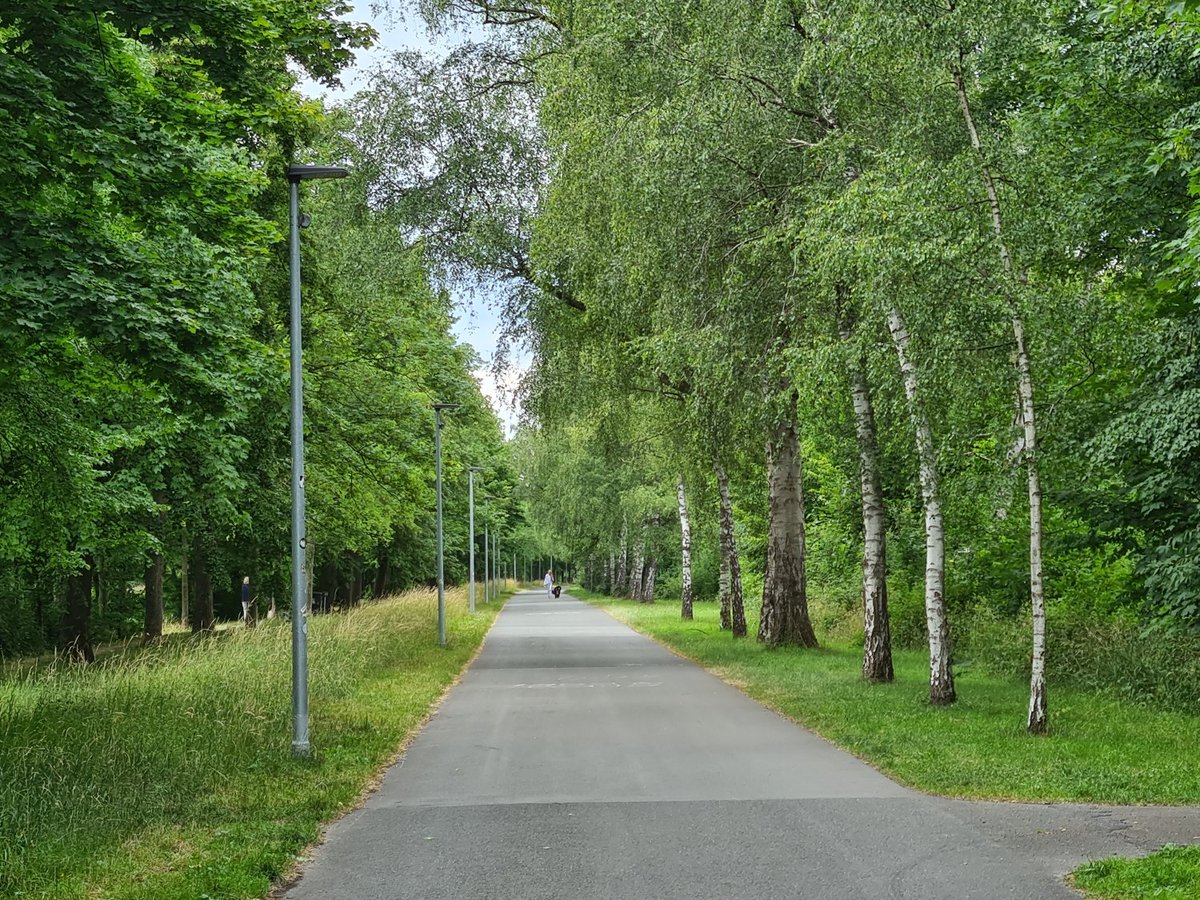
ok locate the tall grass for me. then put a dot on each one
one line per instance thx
(168, 772)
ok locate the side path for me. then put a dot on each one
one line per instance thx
(578, 759)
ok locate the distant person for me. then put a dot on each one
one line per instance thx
(548, 581)
(246, 599)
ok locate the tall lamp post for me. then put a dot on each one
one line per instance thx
(486, 548)
(300, 745)
(471, 470)
(438, 409)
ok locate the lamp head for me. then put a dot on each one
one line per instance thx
(298, 173)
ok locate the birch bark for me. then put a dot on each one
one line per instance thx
(733, 606)
(877, 639)
(651, 578)
(622, 573)
(685, 532)
(941, 674)
(1037, 720)
(785, 618)
(639, 566)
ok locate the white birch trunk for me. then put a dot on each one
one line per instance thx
(651, 577)
(622, 563)
(733, 606)
(639, 566)
(941, 675)
(685, 533)
(1037, 721)
(877, 640)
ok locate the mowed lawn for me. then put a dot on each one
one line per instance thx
(1099, 749)
(168, 773)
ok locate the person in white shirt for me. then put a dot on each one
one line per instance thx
(549, 582)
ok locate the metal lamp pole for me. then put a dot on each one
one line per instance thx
(438, 408)
(300, 745)
(471, 470)
(486, 548)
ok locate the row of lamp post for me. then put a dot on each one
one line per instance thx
(491, 543)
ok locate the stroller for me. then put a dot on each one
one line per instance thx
(556, 590)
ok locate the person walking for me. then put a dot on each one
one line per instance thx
(246, 599)
(549, 582)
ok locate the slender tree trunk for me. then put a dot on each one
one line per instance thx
(685, 533)
(877, 639)
(622, 563)
(382, 572)
(609, 571)
(638, 570)
(185, 585)
(98, 586)
(941, 674)
(651, 577)
(75, 642)
(785, 617)
(733, 605)
(202, 594)
(1037, 721)
(152, 625)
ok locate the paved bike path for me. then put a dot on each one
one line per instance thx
(579, 759)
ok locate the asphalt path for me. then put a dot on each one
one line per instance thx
(579, 759)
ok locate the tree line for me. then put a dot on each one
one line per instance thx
(144, 456)
(897, 296)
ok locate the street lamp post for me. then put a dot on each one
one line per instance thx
(486, 548)
(300, 745)
(471, 470)
(438, 409)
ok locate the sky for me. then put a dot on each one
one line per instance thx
(477, 321)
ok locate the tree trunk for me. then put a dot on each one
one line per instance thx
(685, 532)
(382, 572)
(622, 563)
(152, 624)
(877, 639)
(651, 576)
(75, 642)
(639, 566)
(1037, 721)
(609, 571)
(97, 586)
(785, 617)
(202, 595)
(184, 586)
(733, 606)
(941, 673)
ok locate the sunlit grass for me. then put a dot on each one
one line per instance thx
(1099, 750)
(168, 772)
(1171, 874)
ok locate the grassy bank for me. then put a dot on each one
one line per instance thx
(167, 773)
(1100, 750)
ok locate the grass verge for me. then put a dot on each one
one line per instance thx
(167, 773)
(1171, 874)
(1099, 750)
